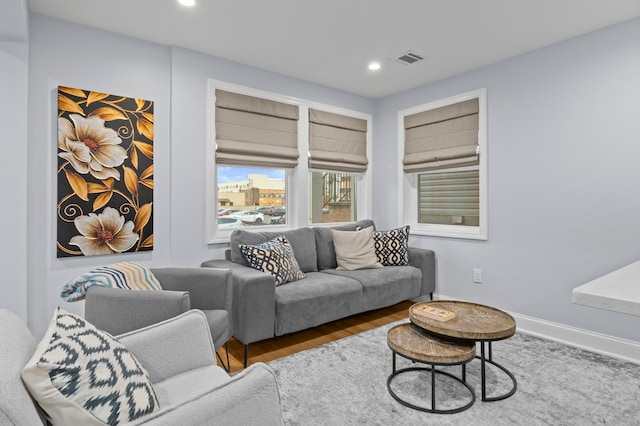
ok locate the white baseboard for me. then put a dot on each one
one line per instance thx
(627, 350)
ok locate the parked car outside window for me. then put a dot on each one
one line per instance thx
(249, 216)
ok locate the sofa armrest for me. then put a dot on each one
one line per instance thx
(117, 310)
(254, 301)
(250, 398)
(173, 346)
(209, 288)
(425, 260)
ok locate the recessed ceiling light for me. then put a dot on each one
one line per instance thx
(374, 66)
(187, 2)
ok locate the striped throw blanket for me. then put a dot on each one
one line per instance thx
(125, 275)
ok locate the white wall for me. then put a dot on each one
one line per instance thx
(13, 226)
(564, 178)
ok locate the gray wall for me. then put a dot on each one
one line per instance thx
(564, 178)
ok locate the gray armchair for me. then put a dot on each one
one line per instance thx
(118, 311)
(191, 390)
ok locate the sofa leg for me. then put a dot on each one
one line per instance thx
(246, 354)
(431, 296)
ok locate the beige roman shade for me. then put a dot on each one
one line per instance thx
(442, 138)
(255, 132)
(337, 142)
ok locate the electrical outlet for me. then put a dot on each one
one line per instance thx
(477, 276)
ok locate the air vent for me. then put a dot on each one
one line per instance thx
(409, 58)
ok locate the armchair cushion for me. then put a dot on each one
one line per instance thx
(126, 275)
(81, 375)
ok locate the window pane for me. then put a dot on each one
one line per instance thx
(449, 198)
(250, 197)
(333, 197)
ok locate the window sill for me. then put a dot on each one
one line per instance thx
(445, 231)
(617, 291)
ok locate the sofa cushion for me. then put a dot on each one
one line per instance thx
(319, 299)
(324, 242)
(355, 249)
(81, 375)
(273, 257)
(302, 242)
(125, 275)
(386, 286)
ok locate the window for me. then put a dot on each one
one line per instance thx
(333, 197)
(443, 172)
(257, 174)
(240, 187)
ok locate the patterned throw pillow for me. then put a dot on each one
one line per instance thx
(82, 375)
(126, 275)
(274, 257)
(392, 247)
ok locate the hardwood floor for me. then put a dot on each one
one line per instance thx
(281, 346)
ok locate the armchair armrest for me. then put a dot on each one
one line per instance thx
(250, 398)
(425, 260)
(254, 301)
(209, 288)
(117, 311)
(174, 346)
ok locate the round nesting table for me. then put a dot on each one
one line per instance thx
(413, 343)
(473, 322)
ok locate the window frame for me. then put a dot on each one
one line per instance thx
(296, 179)
(408, 202)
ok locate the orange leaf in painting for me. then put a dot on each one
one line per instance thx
(145, 148)
(101, 200)
(147, 182)
(95, 97)
(131, 180)
(147, 172)
(134, 157)
(142, 217)
(140, 104)
(148, 116)
(109, 114)
(145, 127)
(66, 104)
(148, 242)
(78, 184)
(72, 91)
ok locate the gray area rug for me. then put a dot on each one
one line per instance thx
(345, 383)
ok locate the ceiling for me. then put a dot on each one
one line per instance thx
(330, 42)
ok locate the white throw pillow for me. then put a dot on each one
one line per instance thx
(355, 249)
(80, 375)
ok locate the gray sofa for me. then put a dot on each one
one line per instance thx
(190, 388)
(261, 310)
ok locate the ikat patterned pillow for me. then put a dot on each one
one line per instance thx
(82, 375)
(274, 257)
(392, 247)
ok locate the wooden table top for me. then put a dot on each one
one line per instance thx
(472, 321)
(411, 341)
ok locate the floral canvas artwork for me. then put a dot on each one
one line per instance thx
(105, 173)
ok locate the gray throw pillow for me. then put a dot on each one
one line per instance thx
(355, 249)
